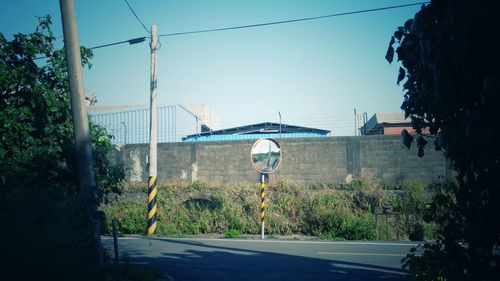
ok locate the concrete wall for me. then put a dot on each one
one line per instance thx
(306, 160)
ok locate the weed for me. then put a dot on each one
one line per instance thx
(232, 233)
(291, 209)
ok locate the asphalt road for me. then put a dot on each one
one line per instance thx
(230, 259)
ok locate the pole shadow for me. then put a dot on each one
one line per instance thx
(202, 261)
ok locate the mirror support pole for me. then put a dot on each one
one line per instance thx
(262, 205)
(266, 157)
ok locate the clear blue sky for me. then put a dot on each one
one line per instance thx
(315, 73)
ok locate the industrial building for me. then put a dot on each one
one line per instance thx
(256, 131)
(386, 123)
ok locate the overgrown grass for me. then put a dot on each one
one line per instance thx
(353, 212)
(232, 233)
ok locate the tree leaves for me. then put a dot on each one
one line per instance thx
(408, 24)
(36, 132)
(401, 75)
(398, 34)
(389, 56)
(406, 138)
(452, 95)
(421, 143)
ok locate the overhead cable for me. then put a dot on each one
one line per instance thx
(130, 41)
(291, 20)
(138, 19)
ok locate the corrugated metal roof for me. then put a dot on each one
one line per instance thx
(266, 129)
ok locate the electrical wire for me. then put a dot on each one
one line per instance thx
(292, 20)
(130, 41)
(138, 19)
(252, 25)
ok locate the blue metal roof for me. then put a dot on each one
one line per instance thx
(255, 131)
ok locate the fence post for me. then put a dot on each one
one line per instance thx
(115, 241)
(387, 227)
(397, 226)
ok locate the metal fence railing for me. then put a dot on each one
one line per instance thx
(132, 126)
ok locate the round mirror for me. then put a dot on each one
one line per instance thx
(266, 155)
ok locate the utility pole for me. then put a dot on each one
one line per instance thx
(153, 137)
(355, 122)
(86, 177)
(279, 113)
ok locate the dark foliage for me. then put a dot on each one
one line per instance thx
(450, 61)
(44, 223)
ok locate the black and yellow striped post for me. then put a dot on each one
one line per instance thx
(266, 157)
(262, 204)
(152, 190)
(153, 138)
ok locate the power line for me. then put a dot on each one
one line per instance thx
(141, 39)
(292, 20)
(132, 10)
(130, 41)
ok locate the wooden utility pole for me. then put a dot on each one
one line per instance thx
(153, 137)
(86, 177)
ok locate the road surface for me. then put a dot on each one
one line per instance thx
(232, 259)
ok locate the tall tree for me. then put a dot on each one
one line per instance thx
(44, 224)
(450, 56)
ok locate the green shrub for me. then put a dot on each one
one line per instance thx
(278, 224)
(332, 216)
(415, 200)
(130, 216)
(232, 233)
(359, 184)
(431, 231)
(362, 228)
(318, 210)
(369, 200)
(417, 233)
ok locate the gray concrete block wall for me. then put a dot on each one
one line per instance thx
(305, 160)
(223, 162)
(387, 160)
(313, 160)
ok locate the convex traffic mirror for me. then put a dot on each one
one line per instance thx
(266, 155)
